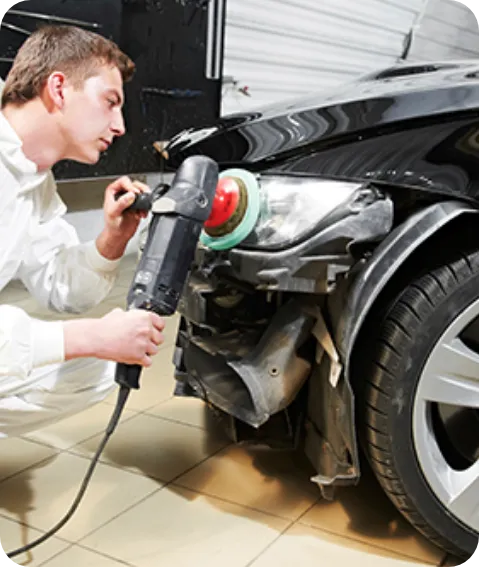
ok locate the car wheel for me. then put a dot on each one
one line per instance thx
(419, 404)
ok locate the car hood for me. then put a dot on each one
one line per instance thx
(395, 97)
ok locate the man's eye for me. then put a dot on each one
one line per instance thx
(112, 103)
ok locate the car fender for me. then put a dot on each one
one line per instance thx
(384, 264)
(355, 302)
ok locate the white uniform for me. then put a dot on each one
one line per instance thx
(41, 249)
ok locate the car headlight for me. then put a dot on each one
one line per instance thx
(292, 207)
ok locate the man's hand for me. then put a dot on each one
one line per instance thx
(120, 226)
(130, 337)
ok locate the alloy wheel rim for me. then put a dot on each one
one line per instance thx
(450, 378)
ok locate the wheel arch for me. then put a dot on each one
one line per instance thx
(408, 251)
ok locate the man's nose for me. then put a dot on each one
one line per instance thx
(118, 124)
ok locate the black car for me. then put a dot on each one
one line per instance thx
(346, 318)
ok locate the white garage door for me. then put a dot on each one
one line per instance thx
(448, 30)
(277, 49)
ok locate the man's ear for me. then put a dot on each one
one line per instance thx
(55, 88)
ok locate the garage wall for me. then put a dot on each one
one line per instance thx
(448, 30)
(284, 48)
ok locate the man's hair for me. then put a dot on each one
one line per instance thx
(74, 51)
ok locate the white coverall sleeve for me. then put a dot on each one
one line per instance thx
(59, 271)
(25, 344)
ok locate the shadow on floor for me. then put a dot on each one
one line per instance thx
(23, 503)
(369, 513)
(369, 510)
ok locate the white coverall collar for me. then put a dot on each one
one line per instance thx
(12, 151)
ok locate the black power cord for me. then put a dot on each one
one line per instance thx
(115, 418)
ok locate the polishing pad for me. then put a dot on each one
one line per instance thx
(237, 224)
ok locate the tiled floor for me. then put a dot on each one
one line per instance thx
(170, 490)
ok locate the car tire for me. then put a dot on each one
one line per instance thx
(404, 340)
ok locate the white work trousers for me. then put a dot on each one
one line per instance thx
(57, 391)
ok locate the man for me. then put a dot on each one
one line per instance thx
(62, 100)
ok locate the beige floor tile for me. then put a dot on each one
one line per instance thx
(156, 383)
(155, 447)
(39, 497)
(16, 284)
(14, 535)
(19, 454)
(179, 528)
(125, 276)
(364, 513)
(307, 547)
(73, 430)
(79, 557)
(14, 292)
(124, 283)
(118, 296)
(171, 329)
(272, 482)
(191, 411)
(31, 306)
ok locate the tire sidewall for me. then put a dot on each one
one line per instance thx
(400, 418)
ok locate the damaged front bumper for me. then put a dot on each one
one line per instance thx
(248, 374)
(254, 340)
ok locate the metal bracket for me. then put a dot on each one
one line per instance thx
(325, 344)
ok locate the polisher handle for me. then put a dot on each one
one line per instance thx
(128, 375)
(142, 202)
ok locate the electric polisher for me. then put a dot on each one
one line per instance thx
(235, 209)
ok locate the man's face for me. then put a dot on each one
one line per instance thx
(92, 115)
